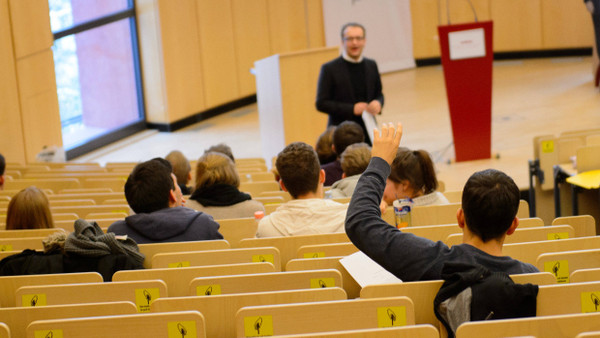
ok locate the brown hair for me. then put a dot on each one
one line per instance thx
(216, 168)
(416, 167)
(298, 167)
(355, 159)
(29, 209)
(181, 166)
(323, 147)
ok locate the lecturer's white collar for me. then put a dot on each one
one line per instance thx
(351, 60)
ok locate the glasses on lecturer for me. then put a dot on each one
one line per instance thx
(354, 38)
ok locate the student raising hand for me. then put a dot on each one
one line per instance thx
(385, 144)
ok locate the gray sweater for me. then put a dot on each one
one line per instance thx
(408, 257)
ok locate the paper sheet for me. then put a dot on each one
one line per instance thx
(370, 124)
(366, 271)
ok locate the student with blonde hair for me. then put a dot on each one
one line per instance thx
(181, 169)
(355, 160)
(29, 209)
(216, 192)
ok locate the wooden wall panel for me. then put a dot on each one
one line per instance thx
(517, 25)
(11, 140)
(251, 35)
(39, 103)
(566, 24)
(287, 26)
(314, 18)
(31, 26)
(424, 14)
(215, 23)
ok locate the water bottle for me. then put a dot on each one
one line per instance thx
(402, 209)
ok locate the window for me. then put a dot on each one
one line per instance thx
(97, 72)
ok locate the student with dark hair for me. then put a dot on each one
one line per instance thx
(347, 133)
(307, 213)
(152, 193)
(2, 169)
(182, 170)
(488, 214)
(412, 176)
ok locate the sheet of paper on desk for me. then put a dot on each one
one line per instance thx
(366, 271)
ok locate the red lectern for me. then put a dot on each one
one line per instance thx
(467, 57)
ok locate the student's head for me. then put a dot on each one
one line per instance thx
(223, 149)
(299, 169)
(323, 148)
(2, 168)
(215, 168)
(353, 39)
(355, 159)
(181, 166)
(151, 186)
(412, 175)
(345, 134)
(490, 201)
(29, 209)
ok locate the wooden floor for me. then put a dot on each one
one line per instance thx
(530, 98)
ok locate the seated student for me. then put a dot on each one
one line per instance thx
(412, 176)
(355, 160)
(324, 147)
(345, 134)
(2, 168)
(152, 193)
(216, 192)
(221, 148)
(29, 209)
(490, 202)
(307, 213)
(182, 170)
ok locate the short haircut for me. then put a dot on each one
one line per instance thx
(490, 202)
(2, 165)
(148, 186)
(299, 169)
(345, 134)
(416, 167)
(323, 147)
(215, 168)
(353, 24)
(29, 209)
(355, 159)
(181, 166)
(223, 149)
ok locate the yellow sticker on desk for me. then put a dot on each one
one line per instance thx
(391, 316)
(48, 334)
(314, 254)
(558, 235)
(258, 326)
(38, 299)
(207, 290)
(120, 211)
(145, 297)
(322, 283)
(183, 264)
(560, 270)
(181, 329)
(548, 146)
(6, 247)
(263, 258)
(590, 301)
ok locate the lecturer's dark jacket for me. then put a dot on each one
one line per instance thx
(335, 95)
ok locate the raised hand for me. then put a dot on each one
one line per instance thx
(386, 143)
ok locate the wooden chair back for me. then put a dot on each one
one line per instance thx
(453, 196)
(83, 211)
(64, 217)
(54, 184)
(288, 246)
(151, 249)
(585, 275)
(547, 233)
(217, 257)
(283, 194)
(5, 331)
(18, 318)
(421, 331)
(326, 250)
(262, 282)
(568, 298)
(10, 284)
(423, 293)
(115, 184)
(219, 310)
(326, 316)
(529, 252)
(159, 325)
(69, 226)
(236, 229)
(178, 280)
(563, 264)
(29, 233)
(546, 326)
(270, 208)
(256, 188)
(72, 203)
(140, 292)
(588, 158)
(349, 284)
(584, 225)
(19, 244)
(266, 200)
(446, 213)
(99, 198)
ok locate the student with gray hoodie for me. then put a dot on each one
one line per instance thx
(152, 193)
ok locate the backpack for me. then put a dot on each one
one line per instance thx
(472, 292)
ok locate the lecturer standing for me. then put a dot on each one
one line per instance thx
(350, 84)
